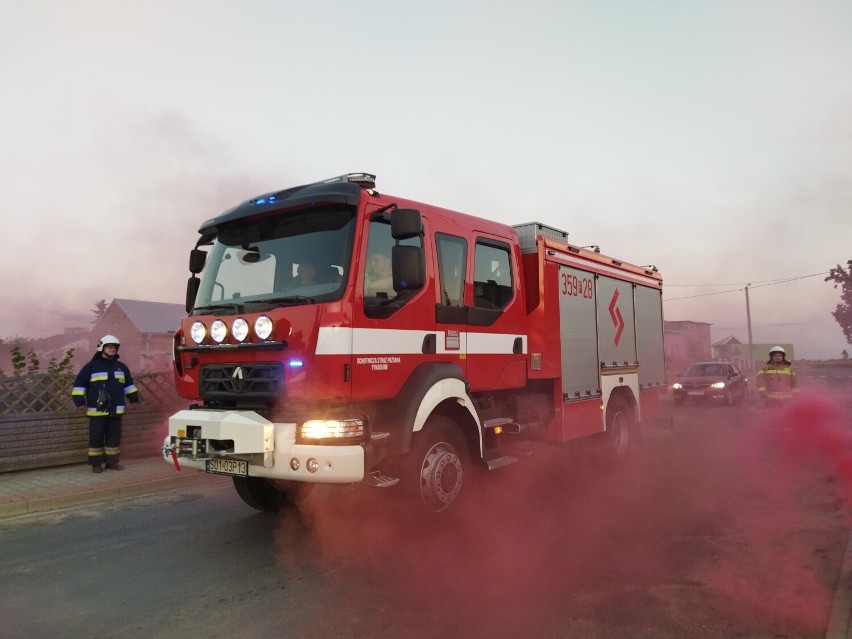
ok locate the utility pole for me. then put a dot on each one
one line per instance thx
(750, 342)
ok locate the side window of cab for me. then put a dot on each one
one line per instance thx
(493, 285)
(492, 277)
(389, 263)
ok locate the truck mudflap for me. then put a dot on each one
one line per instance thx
(242, 443)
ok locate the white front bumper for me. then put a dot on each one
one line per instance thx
(271, 445)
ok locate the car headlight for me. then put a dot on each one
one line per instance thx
(677, 385)
(198, 332)
(263, 327)
(718, 385)
(240, 329)
(218, 331)
(316, 429)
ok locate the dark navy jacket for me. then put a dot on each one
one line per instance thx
(107, 375)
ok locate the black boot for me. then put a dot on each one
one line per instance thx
(97, 468)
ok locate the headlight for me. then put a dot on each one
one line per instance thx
(677, 385)
(332, 429)
(263, 327)
(718, 385)
(218, 331)
(240, 329)
(197, 332)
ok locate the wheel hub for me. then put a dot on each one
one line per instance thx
(440, 477)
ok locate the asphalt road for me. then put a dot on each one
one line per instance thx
(728, 522)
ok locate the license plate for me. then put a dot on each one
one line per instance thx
(227, 467)
(695, 393)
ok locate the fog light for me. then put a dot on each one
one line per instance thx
(263, 327)
(241, 329)
(218, 331)
(197, 332)
(312, 465)
(294, 464)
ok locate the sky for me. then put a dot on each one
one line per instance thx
(711, 138)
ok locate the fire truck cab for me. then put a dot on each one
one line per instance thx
(338, 335)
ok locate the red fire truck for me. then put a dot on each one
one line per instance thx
(339, 335)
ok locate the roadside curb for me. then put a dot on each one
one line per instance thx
(45, 504)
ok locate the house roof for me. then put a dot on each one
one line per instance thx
(730, 339)
(63, 340)
(152, 317)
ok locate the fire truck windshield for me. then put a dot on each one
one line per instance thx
(300, 257)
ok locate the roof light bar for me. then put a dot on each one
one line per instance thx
(364, 180)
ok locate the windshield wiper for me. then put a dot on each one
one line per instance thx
(290, 300)
(237, 308)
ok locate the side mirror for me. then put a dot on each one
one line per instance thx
(406, 223)
(191, 292)
(409, 268)
(197, 259)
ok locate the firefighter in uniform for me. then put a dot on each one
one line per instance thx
(102, 386)
(776, 381)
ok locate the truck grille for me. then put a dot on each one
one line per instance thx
(242, 381)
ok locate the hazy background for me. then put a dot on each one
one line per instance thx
(710, 138)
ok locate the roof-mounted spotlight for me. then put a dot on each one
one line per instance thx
(651, 266)
(594, 247)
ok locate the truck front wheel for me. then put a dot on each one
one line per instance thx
(269, 495)
(435, 469)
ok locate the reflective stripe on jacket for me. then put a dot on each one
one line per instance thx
(108, 378)
(777, 381)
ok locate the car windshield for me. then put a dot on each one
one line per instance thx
(706, 370)
(294, 258)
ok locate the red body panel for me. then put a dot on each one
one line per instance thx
(334, 352)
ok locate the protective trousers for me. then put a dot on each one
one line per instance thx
(104, 440)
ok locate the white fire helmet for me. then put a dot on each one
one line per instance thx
(777, 349)
(108, 339)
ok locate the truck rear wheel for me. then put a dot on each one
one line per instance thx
(620, 427)
(271, 496)
(435, 469)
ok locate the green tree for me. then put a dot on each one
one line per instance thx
(19, 360)
(13, 348)
(843, 313)
(63, 365)
(29, 364)
(99, 310)
(33, 365)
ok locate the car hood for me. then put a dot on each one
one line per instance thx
(702, 380)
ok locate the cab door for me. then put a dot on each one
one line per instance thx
(496, 327)
(393, 321)
(451, 311)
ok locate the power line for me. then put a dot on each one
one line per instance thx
(760, 284)
(751, 283)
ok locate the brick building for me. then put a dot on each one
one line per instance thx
(686, 342)
(145, 329)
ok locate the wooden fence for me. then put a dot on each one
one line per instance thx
(40, 426)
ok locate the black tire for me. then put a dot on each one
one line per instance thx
(271, 496)
(434, 471)
(621, 428)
